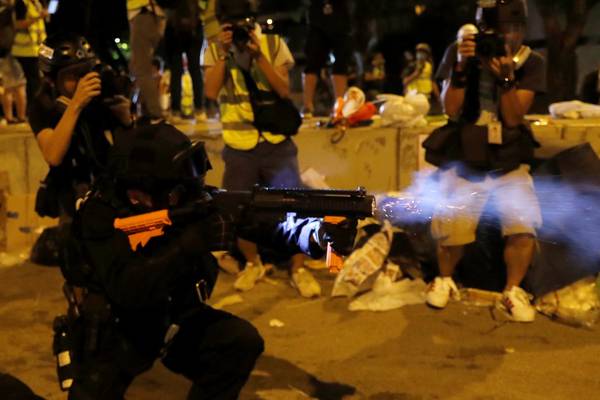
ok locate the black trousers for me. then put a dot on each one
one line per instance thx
(176, 45)
(214, 349)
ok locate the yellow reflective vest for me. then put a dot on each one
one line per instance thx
(135, 4)
(234, 100)
(423, 84)
(28, 40)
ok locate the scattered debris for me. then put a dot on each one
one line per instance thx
(275, 323)
(314, 179)
(12, 259)
(390, 295)
(228, 301)
(283, 394)
(363, 263)
(577, 304)
(479, 297)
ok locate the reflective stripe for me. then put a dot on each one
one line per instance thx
(240, 98)
(237, 126)
(27, 41)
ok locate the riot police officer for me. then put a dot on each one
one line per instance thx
(147, 302)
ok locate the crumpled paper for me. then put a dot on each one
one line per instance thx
(363, 262)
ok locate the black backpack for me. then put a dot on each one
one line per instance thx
(7, 27)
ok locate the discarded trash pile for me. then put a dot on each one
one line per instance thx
(563, 276)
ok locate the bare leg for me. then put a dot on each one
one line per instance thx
(21, 102)
(310, 86)
(448, 257)
(249, 250)
(518, 254)
(7, 104)
(340, 84)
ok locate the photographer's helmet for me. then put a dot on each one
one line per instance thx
(493, 13)
(232, 10)
(62, 51)
(158, 159)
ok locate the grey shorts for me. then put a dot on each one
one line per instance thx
(11, 73)
(272, 165)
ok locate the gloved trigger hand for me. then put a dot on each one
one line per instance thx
(340, 235)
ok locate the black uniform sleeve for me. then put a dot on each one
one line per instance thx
(130, 279)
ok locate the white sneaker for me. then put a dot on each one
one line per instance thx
(249, 276)
(517, 304)
(305, 283)
(440, 290)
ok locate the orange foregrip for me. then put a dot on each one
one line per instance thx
(141, 228)
(334, 261)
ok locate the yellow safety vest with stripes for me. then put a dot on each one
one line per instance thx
(135, 4)
(28, 40)
(234, 100)
(423, 84)
(210, 23)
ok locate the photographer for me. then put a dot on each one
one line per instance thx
(148, 302)
(490, 80)
(421, 79)
(73, 118)
(240, 63)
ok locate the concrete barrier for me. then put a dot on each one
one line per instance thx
(380, 159)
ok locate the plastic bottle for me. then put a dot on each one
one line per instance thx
(187, 90)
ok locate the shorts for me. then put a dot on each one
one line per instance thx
(461, 203)
(11, 73)
(268, 164)
(320, 43)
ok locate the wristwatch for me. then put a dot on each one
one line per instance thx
(507, 83)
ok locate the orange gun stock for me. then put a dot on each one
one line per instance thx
(141, 228)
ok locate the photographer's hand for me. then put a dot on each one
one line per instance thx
(225, 38)
(254, 46)
(503, 68)
(465, 50)
(88, 87)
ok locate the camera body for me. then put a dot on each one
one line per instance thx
(489, 44)
(113, 82)
(241, 29)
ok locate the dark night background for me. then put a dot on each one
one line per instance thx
(391, 26)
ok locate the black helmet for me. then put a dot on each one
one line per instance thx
(63, 50)
(231, 10)
(492, 13)
(156, 158)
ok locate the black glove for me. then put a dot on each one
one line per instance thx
(341, 236)
(212, 233)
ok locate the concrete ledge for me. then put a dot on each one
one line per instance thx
(379, 158)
